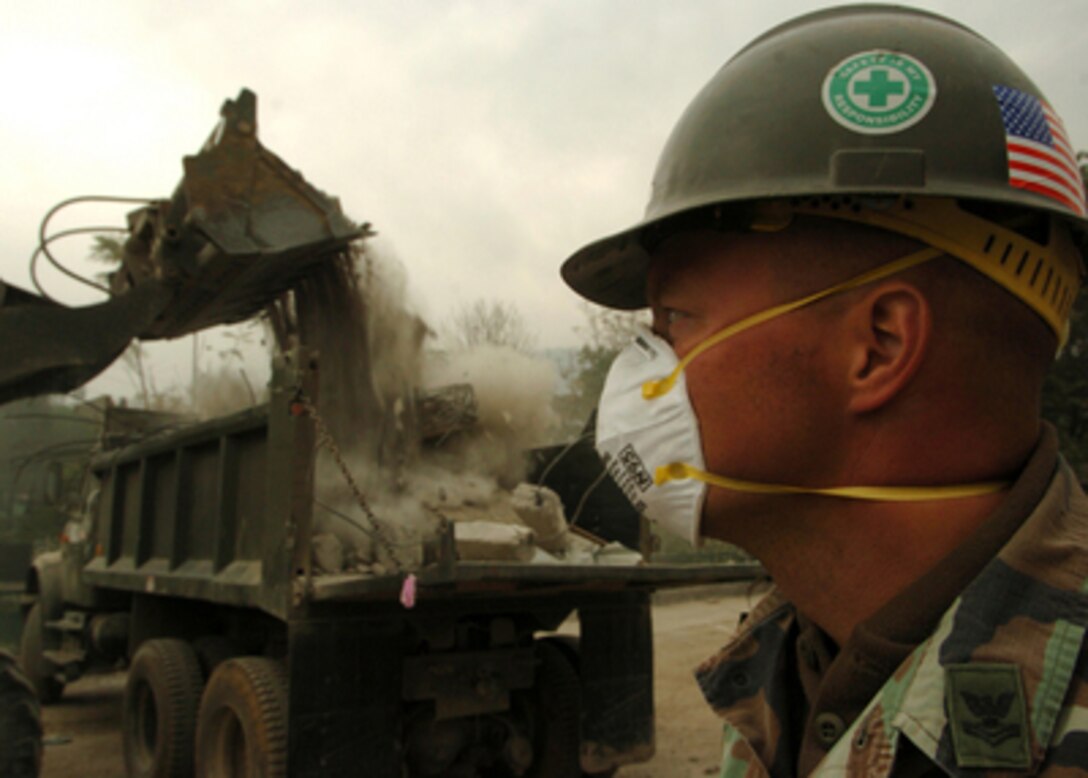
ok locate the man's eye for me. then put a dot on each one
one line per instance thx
(667, 319)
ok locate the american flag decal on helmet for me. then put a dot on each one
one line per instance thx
(1041, 159)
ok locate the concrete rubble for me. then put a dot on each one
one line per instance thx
(526, 525)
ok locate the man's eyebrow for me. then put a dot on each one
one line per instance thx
(659, 283)
(667, 289)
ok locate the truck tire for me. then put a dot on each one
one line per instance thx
(212, 651)
(242, 728)
(571, 648)
(20, 722)
(557, 702)
(162, 695)
(32, 658)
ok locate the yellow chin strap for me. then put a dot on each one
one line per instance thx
(678, 472)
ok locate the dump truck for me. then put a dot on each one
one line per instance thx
(200, 557)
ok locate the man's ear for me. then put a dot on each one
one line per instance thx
(890, 329)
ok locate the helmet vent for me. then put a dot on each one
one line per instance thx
(1023, 261)
(1038, 267)
(1014, 252)
(1063, 302)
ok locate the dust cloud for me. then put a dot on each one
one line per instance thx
(514, 407)
(223, 391)
(375, 363)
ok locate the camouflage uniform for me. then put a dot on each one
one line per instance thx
(977, 669)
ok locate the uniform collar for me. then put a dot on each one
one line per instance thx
(951, 615)
(908, 618)
(841, 683)
(987, 688)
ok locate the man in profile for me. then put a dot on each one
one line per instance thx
(863, 245)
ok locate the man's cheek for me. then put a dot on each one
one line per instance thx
(714, 406)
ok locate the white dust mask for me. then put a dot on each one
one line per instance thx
(648, 434)
(636, 437)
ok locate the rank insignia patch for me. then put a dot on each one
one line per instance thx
(987, 716)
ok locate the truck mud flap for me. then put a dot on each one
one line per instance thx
(345, 698)
(617, 682)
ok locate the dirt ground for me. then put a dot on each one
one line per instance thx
(82, 732)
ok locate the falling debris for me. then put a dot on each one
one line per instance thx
(542, 511)
(491, 540)
(419, 439)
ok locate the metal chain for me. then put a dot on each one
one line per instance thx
(326, 440)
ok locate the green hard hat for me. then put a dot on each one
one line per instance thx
(865, 100)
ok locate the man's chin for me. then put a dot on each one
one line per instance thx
(742, 518)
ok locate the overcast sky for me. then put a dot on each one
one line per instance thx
(485, 141)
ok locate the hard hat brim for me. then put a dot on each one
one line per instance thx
(611, 271)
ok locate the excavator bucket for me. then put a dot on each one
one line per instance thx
(241, 228)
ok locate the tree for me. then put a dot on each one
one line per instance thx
(110, 250)
(218, 391)
(606, 333)
(490, 323)
(1065, 393)
(107, 250)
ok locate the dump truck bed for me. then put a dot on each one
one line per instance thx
(221, 511)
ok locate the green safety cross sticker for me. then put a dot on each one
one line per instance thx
(879, 92)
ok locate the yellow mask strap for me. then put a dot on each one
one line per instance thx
(679, 471)
(652, 389)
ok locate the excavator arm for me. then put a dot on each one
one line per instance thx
(46, 347)
(240, 229)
